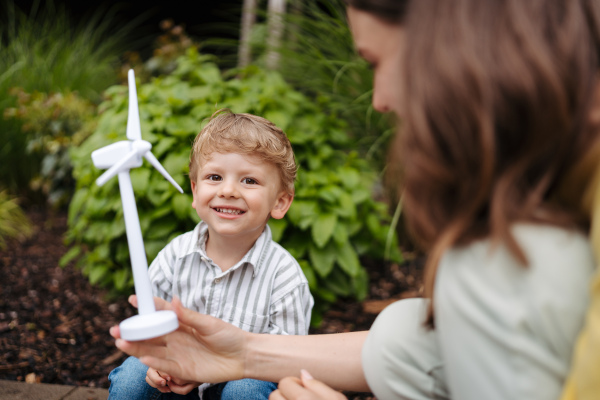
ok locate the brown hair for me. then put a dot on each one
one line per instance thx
(496, 118)
(391, 11)
(245, 134)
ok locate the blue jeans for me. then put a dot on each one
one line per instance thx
(128, 382)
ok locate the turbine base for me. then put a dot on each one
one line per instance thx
(148, 326)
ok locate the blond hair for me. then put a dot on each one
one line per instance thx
(228, 132)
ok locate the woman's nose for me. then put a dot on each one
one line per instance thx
(379, 100)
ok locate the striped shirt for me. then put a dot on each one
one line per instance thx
(265, 292)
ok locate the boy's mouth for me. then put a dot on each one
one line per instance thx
(231, 211)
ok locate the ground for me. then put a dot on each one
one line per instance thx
(54, 324)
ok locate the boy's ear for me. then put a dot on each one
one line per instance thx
(193, 193)
(284, 201)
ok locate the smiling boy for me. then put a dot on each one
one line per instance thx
(242, 172)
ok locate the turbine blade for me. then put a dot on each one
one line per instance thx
(150, 157)
(134, 130)
(115, 169)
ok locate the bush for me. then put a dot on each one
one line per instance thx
(48, 51)
(331, 224)
(52, 124)
(13, 222)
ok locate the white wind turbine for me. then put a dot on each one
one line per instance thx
(119, 158)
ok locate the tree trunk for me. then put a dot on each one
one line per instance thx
(276, 12)
(248, 20)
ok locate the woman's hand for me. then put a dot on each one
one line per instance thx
(305, 388)
(204, 348)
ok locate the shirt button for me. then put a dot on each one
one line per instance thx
(217, 280)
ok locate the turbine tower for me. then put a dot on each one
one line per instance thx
(120, 158)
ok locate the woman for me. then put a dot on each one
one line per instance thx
(499, 148)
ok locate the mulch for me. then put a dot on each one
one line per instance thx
(54, 323)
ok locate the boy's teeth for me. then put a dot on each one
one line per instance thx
(229, 211)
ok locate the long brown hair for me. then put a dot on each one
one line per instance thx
(496, 118)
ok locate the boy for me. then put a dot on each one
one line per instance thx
(242, 172)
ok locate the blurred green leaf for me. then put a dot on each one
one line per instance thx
(348, 260)
(277, 227)
(322, 259)
(322, 229)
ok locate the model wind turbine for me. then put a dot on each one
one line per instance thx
(119, 158)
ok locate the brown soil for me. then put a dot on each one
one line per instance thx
(54, 324)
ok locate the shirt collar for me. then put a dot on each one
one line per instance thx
(255, 256)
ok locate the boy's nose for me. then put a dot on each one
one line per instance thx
(228, 189)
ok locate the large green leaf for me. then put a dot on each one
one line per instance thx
(338, 283)
(348, 260)
(322, 228)
(322, 259)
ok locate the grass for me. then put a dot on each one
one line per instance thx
(318, 56)
(45, 50)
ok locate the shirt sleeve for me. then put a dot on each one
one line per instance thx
(161, 273)
(290, 314)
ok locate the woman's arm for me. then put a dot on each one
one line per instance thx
(334, 359)
(206, 349)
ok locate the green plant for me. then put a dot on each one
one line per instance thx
(318, 58)
(48, 51)
(331, 224)
(52, 123)
(13, 221)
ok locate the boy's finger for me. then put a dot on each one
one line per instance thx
(165, 376)
(155, 381)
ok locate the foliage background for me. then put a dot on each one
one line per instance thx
(332, 222)
(64, 105)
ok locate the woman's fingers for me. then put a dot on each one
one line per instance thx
(115, 332)
(203, 348)
(307, 388)
(186, 316)
(321, 390)
(288, 389)
(159, 303)
(136, 349)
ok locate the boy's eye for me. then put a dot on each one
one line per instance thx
(249, 181)
(214, 177)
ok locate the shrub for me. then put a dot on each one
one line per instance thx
(48, 51)
(331, 224)
(13, 222)
(52, 123)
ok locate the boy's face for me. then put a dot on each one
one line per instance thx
(235, 194)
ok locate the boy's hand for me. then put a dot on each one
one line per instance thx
(158, 380)
(179, 386)
(167, 384)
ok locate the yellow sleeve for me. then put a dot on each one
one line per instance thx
(584, 380)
